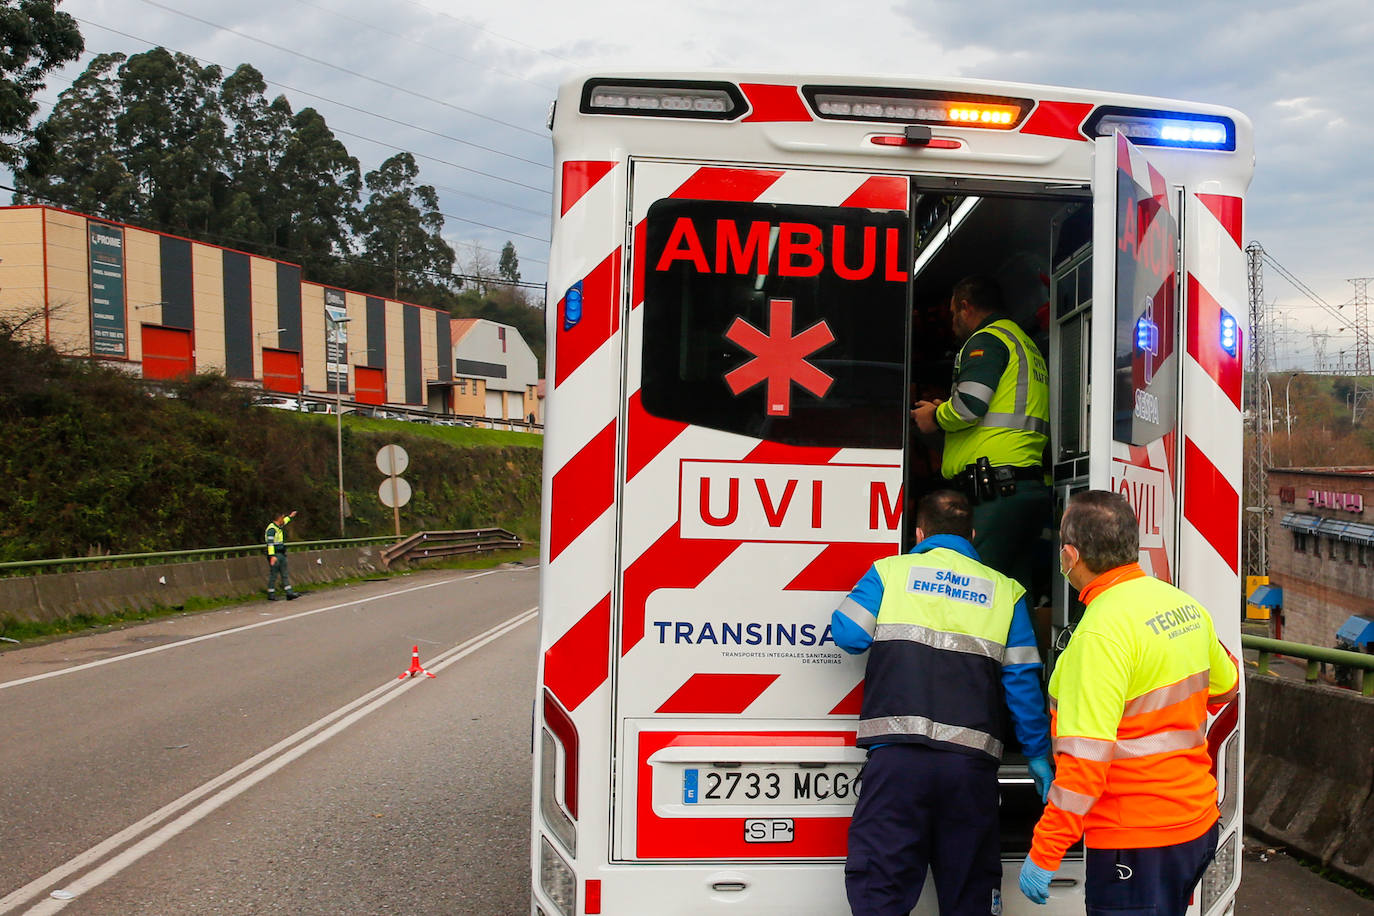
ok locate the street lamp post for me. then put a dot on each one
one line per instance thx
(342, 353)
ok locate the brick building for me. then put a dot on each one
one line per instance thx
(1321, 549)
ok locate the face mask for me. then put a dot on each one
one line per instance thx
(1062, 570)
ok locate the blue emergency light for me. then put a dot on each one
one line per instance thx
(1146, 335)
(1152, 127)
(1230, 334)
(572, 306)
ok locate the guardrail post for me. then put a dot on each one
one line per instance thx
(1264, 658)
(1313, 668)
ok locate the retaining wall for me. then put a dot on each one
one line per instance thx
(55, 596)
(1309, 771)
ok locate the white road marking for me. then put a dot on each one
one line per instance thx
(250, 626)
(227, 786)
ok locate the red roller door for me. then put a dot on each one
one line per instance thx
(281, 370)
(370, 384)
(166, 352)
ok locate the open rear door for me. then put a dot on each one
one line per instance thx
(764, 412)
(1136, 361)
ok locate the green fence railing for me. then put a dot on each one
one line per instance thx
(26, 567)
(1315, 656)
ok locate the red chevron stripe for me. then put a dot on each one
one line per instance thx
(646, 436)
(1211, 503)
(1057, 119)
(579, 661)
(880, 192)
(852, 703)
(727, 184)
(839, 567)
(718, 694)
(769, 102)
(1204, 341)
(578, 178)
(1228, 210)
(582, 490)
(600, 318)
(670, 562)
(637, 284)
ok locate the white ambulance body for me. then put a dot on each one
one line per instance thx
(752, 275)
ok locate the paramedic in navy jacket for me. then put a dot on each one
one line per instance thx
(947, 638)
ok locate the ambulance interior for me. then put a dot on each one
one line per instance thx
(1038, 250)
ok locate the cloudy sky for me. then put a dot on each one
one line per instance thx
(466, 87)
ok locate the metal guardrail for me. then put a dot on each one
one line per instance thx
(425, 545)
(21, 567)
(1314, 656)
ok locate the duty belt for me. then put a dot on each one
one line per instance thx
(984, 481)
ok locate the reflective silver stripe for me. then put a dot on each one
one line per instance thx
(1021, 655)
(956, 403)
(859, 614)
(927, 728)
(1226, 697)
(1016, 421)
(1168, 695)
(938, 639)
(1097, 749)
(1072, 802)
(1160, 743)
(977, 390)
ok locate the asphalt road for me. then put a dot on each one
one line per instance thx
(282, 768)
(266, 759)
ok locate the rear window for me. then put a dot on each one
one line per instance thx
(777, 321)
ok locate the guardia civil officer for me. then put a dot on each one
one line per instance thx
(276, 557)
(1129, 700)
(996, 426)
(947, 638)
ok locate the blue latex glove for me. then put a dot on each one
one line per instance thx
(1035, 881)
(1042, 771)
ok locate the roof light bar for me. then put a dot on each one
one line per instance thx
(953, 109)
(1178, 129)
(712, 101)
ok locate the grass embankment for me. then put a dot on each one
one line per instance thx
(96, 463)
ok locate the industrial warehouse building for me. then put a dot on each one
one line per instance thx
(1321, 554)
(162, 306)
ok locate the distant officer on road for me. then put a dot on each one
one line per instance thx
(1129, 699)
(276, 557)
(949, 641)
(996, 425)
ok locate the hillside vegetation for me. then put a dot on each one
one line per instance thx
(95, 462)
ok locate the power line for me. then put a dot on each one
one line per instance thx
(332, 66)
(481, 28)
(324, 98)
(446, 52)
(334, 256)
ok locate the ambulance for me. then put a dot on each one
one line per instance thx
(752, 275)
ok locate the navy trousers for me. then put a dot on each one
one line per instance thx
(924, 809)
(1155, 881)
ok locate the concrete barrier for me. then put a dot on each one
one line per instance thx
(59, 596)
(1309, 771)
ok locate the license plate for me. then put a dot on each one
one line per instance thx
(771, 784)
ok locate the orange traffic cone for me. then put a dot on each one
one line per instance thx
(415, 667)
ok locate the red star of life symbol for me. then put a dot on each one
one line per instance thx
(779, 358)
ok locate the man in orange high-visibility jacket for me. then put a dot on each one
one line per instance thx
(1129, 699)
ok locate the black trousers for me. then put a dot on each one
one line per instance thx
(1154, 881)
(920, 810)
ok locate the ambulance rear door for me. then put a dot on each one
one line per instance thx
(761, 474)
(1136, 361)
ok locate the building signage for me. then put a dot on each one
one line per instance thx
(1330, 499)
(335, 341)
(106, 257)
